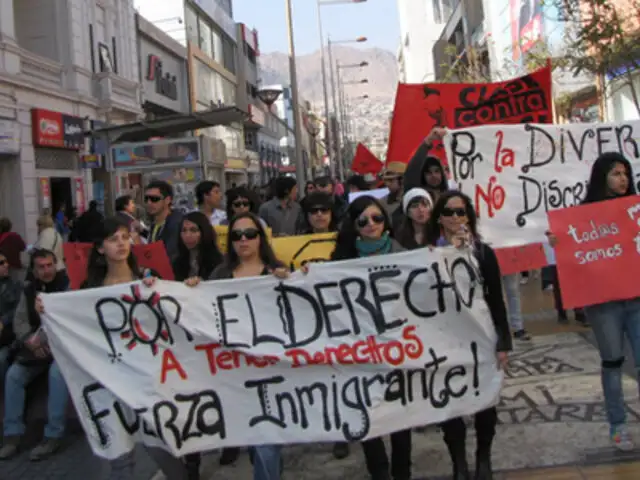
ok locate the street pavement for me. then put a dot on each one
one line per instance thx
(550, 413)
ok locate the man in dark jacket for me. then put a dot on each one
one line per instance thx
(426, 171)
(86, 227)
(325, 185)
(33, 358)
(10, 291)
(158, 197)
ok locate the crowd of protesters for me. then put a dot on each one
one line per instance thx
(422, 209)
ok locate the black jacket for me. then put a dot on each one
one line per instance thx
(492, 283)
(86, 228)
(10, 292)
(414, 175)
(169, 233)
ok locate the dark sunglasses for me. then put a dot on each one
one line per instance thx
(450, 212)
(248, 233)
(152, 198)
(363, 221)
(314, 210)
(241, 203)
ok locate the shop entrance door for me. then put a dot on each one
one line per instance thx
(61, 193)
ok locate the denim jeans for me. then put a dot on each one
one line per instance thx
(610, 322)
(514, 308)
(18, 378)
(266, 462)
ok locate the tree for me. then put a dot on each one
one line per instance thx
(470, 66)
(603, 40)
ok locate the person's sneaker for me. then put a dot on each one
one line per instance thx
(47, 447)
(10, 448)
(340, 450)
(522, 335)
(621, 439)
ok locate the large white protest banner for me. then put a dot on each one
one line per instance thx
(515, 174)
(350, 351)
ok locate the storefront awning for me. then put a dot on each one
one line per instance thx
(169, 125)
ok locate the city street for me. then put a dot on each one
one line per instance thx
(551, 416)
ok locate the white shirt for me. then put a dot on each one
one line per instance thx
(217, 217)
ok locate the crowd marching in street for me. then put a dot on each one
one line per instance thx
(418, 211)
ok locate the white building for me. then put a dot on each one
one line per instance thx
(421, 23)
(63, 63)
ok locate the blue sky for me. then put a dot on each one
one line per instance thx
(375, 19)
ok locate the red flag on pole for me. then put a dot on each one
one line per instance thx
(365, 162)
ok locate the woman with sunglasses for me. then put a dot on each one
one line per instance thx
(416, 206)
(241, 200)
(250, 255)
(366, 231)
(319, 214)
(453, 222)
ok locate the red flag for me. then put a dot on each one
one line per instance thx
(365, 162)
(420, 107)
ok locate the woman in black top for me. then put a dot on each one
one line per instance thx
(198, 253)
(453, 222)
(319, 214)
(416, 206)
(366, 231)
(250, 255)
(111, 262)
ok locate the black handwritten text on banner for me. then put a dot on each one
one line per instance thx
(515, 174)
(350, 351)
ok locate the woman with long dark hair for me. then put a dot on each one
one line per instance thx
(453, 222)
(366, 231)
(241, 200)
(198, 253)
(611, 178)
(319, 212)
(111, 262)
(250, 255)
(416, 206)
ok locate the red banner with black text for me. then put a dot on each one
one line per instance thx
(421, 107)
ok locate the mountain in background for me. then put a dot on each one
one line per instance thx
(371, 114)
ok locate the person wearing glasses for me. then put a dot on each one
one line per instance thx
(453, 222)
(366, 231)
(241, 200)
(250, 255)
(166, 222)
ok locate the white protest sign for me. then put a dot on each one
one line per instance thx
(350, 351)
(515, 174)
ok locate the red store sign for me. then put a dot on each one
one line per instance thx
(56, 130)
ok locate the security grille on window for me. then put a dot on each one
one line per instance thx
(49, 159)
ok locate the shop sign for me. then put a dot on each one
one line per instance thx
(9, 137)
(80, 198)
(166, 84)
(56, 130)
(45, 192)
(169, 153)
(91, 161)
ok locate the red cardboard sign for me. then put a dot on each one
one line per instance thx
(522, 258)
(152, 256)
(420, 107)
(598, 251)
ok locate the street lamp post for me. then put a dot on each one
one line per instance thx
(330, 140)
(297, 131)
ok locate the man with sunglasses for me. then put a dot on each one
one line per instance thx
(166, 222)
(325, 184)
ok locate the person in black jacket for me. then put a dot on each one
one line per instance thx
(453, 222)
(158, 197)
(10, 291)
(87, 225)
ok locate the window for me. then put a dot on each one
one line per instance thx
(229, 54)
(205, 38)
(191, 24)
(218, 50)
(251, 55)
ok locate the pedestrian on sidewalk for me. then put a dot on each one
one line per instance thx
(514, 306)
(454, 222)
(612, 177)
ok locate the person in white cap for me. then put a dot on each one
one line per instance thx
(416, 207)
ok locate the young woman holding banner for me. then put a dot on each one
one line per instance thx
(111, 262)
(366, 231)
(611, 177)
(416, 206)
(250, 255)
(453, 222)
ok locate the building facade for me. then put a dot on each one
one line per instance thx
(207, 29)
(63, 64)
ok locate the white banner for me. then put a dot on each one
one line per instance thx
(515, 174)
(350, 351)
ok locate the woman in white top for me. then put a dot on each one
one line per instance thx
(50, 239)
